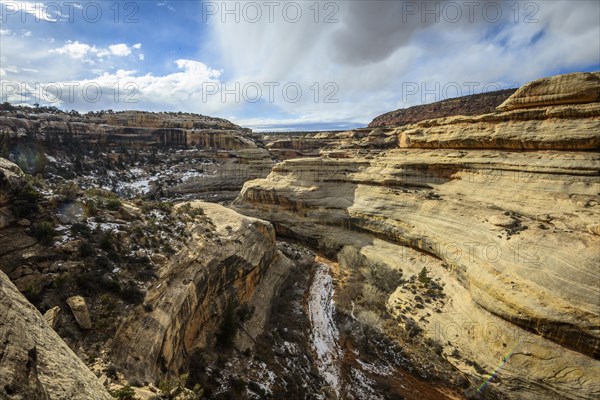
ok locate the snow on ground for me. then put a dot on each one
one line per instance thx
(325, 335)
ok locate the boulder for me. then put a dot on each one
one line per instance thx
(51, 316)
(80, 311)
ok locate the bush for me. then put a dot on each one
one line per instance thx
(372, 296)
(86, 249)
(384, 277)
(111, 371)
(164, 206)
(91, 207)
(188, 210)
(125, 393)
(423, 277)
(25, 202)
(33, 293)
(94, 283)
(69, 191)
(369, 318)
(131, 294)
(106, 241)
(113, 204)
(45, 233)
(81, 229)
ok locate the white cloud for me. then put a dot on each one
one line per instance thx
(181, 90)
(137, 46)
(83, 51)
(119, 50)
(75, 50)
(5, 32)
(372, 54)
(141, 57)
(168, 6)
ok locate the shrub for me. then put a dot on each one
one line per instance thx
(369, 318)
(372, 296)
(44, 232)
(33, 293)
(25, 202)
(69, 191)
(111, 371)
(91, 207)
(95, 192)
(423, 277)
(164, 206)
(125, 393)
(81, 229)
(113, 204)
(385, 278)
(86, 249)
(106, 241)
(132, 294)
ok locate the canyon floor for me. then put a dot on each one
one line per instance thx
(449, 251)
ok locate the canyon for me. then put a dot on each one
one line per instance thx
(449, 251)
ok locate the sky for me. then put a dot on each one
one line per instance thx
(285, 65)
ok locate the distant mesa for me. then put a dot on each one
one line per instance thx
(476, 104)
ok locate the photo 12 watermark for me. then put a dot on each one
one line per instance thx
(70, 11)
(63, 93)
(270, 92)
(252, 12)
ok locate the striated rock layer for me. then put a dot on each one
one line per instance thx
(511, 235)
(35, 364)
(223, 264)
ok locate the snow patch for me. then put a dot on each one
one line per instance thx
(325, 335)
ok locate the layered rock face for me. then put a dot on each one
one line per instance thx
(35, 364)
(164, 155)
(511, 235)
(129, 128)
(225, 263)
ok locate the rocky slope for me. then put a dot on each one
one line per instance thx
(497, 247)
(35, 364)
(476, 104)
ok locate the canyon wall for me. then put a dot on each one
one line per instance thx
(35, 363)
(226, 262)
(501, 209)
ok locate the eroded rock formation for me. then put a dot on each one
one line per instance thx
(511, 236)
(225, 263)
(35, 364)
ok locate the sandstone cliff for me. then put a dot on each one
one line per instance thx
(225, 262)
(510, 236)
(35, 364)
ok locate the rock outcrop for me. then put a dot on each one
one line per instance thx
(11, 182)
(476, 104)
(575, 88)
(509, 234)
(35, 364)
(224, 264)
